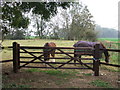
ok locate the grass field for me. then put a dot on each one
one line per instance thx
(40, 42)
(109, 39)
(7, 53)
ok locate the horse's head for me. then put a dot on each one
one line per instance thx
(46, 44)
(107, 56)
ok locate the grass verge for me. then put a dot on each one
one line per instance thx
(100, 83)
(58, 73)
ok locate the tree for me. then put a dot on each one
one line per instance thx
(81, 25)
(13, 13)
(12, 17)
(66, 24)
(39, 24)
(55, 30)
(16, 34)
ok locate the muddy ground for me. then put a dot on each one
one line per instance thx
(40, 79)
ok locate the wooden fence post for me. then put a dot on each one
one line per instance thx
(96, 62)
(16, 55)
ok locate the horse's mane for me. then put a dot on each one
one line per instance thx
(102, 45)
(51, 44)
(106, 52)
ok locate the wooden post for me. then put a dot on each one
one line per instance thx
(16, 59)
(18, 55)
(96, 62)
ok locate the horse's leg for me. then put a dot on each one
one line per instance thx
(80, 60)
(75, 57)
(46, 57)
(48, 60)
(53, 55)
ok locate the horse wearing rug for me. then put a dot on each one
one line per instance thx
(92, 44)
(48, 52)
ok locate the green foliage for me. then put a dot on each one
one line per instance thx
(45, 9)
(16, 35)
(13, 13)
(100, 83)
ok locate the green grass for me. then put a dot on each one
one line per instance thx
(87, 74)
(61, 75)
(100, 83)
(109, 39)
(32, 70)
(40, 42)
(57, 73)
(13, 85)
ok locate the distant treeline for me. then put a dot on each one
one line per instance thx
(106, 32)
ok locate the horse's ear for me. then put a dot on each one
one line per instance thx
(46, 44)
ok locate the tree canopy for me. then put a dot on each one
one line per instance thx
(13, 13)
(75, 18)
(77, 24)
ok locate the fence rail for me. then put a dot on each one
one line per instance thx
(113, 50)
(6, 47)
(34, 47)
(110, 64)
(6, 61)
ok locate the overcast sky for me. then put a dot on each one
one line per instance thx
(105, 12)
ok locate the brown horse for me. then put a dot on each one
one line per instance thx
(48, 52)
(92, 44)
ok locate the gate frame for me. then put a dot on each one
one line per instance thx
(16, 58)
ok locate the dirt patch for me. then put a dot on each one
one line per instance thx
(81, 79)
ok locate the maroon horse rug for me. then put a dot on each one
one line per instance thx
(92, 44)
(49, 52)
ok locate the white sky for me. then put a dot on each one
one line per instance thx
(105, 12)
